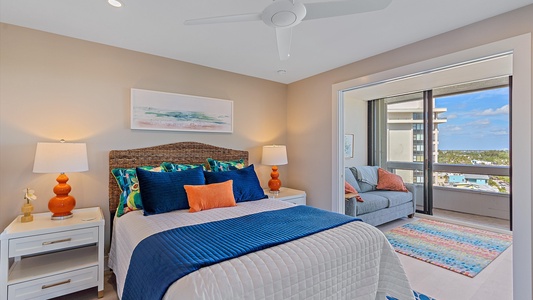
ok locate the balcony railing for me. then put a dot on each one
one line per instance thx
(473, 201)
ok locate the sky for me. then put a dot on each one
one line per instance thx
(475, 121)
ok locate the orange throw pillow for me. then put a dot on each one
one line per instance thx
(389, 181)
(349, 189)
(202, 197)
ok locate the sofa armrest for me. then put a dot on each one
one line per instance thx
(349, 205)
(411, 188)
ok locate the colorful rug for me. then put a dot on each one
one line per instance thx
(457, 248)
(418, 296)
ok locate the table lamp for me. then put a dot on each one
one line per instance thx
(274, 156)
(61, 158)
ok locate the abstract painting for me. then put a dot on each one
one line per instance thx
(348, 145)
(151, 110)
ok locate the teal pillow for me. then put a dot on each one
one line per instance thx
(222, 166)
(130, 198)
(171, 167)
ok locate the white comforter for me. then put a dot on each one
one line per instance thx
(352, 261)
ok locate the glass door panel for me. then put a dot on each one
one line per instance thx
(406, 142)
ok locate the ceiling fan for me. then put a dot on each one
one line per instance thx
(285, 14)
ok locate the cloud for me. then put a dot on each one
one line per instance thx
(504, 110)
(501, 132)
(449, 128)
(452, 116)
(479, 122)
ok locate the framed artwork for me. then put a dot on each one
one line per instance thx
(151, 110)
(348, 145)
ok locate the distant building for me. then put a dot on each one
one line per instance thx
(405, 122)
(456, 178)
(481, 162)
(477, 179)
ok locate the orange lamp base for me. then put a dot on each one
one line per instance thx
(274, 183)
(62, 204)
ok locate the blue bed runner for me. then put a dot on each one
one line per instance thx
(165, 257)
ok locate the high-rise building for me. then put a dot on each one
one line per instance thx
(405, 138)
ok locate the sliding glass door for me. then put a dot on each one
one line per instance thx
(406, 143)
(451, 144)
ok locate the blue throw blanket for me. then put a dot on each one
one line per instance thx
(165, 257)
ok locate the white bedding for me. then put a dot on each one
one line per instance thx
(352, 261)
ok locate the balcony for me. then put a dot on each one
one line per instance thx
(466, 201)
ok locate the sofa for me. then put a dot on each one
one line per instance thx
(378, 206)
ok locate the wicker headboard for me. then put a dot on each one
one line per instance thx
(181, 153)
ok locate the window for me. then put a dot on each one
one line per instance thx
(435, 137)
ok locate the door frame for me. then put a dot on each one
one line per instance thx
(520, 47)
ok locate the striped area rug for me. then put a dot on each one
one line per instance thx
(457, 248)
(418, 296)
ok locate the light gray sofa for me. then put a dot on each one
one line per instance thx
(379, 206)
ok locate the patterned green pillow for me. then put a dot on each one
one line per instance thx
(170, 167)
(221, 166)
(130, 198)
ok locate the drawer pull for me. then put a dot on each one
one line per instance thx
(58, 241)
(47, 286)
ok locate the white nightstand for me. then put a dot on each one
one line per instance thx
(48, 258)
(289, 195)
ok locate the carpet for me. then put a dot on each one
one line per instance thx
(457, 248)
(418, 296)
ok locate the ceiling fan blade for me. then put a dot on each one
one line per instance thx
(341, 8)
(225, 19)
(284, 35)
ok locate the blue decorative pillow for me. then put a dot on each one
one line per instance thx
(222, 166)
(130, 198)
(163, 192)
(171, 167)
(246, 185)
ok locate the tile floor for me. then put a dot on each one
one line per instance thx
(493, 283)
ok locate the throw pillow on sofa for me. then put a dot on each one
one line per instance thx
(389, 181)
(348, 189)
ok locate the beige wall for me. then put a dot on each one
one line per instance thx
(310, 110)
(355, 122)
(54, 87)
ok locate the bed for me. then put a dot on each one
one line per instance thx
(349, 261)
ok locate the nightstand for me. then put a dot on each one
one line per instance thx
(47, 258)
(289, 195)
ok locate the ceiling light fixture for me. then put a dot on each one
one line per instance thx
(114, 3)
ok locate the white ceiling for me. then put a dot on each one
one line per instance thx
(156, 27)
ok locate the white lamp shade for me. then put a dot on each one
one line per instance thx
(274, 155)
(60, 158)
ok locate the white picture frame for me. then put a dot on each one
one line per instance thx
(348, 145)
(152, 110)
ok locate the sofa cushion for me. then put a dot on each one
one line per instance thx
(372, 202)
(350, 178)
(394, 198)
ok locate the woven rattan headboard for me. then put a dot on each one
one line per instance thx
(181, 153)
